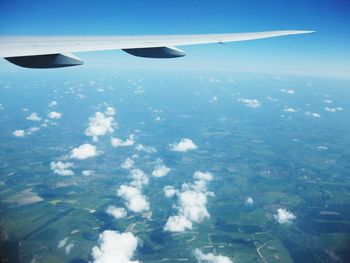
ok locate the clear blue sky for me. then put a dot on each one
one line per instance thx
(323, 54)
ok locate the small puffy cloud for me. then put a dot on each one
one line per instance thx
(252, 103)
(53, 103)
(210, 257)
(288, 109)
(169, 191)
(62, 168)
(54, 115)
(184, 145)
(327, 101)
(84, 151)
(99, 125)
(249, 200)
(192, 200)
(110, 111)
(87, 172)
(33, 117)
(147, 149)
(198, 175)
(115, 247)
(62, 243)
(134, 199)
(19, 133)
(116, 212)
(283, 216)
(288, 91)
(178, 223)
(31, 130)
(115, 142)
(69, 248)
(160, 169)
(128, 164)
(313, 114)
(139, 178)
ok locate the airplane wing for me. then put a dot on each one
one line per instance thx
(55, 51)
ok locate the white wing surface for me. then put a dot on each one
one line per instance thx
(21, 48)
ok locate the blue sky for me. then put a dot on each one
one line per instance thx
(323, 54)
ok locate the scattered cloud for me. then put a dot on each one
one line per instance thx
(99, 125)
(249, 201)
(288, 91)
(160, 169)
(139, 178)
(62, 243)
(184, 145)
(87, 172)
(128, 164)
(116, 212)
(313, 114)
(135, 200)
(210, 257)
(115, 247)
(62, 168)
(54, 115)
(110, 111)
(288, 109)
(115, 142)
(34, 117)
(252, 103)
(147, 149)
(69, 248)
(327, 101)
(84, 151)
(19, 133)
(192, 200)
(53, 104)
(31, 130)
(169, 191)
(284, 217)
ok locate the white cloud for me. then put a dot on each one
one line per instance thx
(327, 101)
(68, 248)
(110, 111)
(99, 125)
(198, 175)
(115, 247)
(128, 164)
(53, 103)
(192, 202)
(115, 142)
(87, 172)
(31, 130)
(330, 109)
(116, 212)
(178, 223)
(288, 91)
(62, 243)
(19, 133)
(210, 257)
(160, 169)
(169, 191)
(135, 200)
(249, 200)
(184, 145)
(139, 178)
(147, 149)
(283, 216)
(288, 109)
(62, 168)
(313, 114)
(54, 115)
(33, 117)
(84, 151)
(252, 103)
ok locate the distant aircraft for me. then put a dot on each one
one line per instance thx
(55, 51)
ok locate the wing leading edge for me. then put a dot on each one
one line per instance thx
(156, 46)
